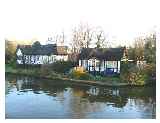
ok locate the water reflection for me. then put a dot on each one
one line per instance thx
(64, 100)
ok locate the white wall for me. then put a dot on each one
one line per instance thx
(108, 64)
(62, 57)
(79, 63)
(19, 53)
(119, 66)
(41, 59)
(102, 66)
(19, 62)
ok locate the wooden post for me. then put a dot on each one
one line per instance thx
(117, 67)
(104, 68)
(23, 61)
(29, 59)
(81, 63)
(87, 64)
(94, 65)
(100, 66)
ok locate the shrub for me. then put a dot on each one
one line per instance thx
(99, 78)
(133, 75)
(150, 71)
(62, 66)
(12, 62)
(45, 69)
(80, 75)
(136, 78)
(85, 76)
(125, 70)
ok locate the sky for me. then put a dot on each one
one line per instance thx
(121, 20)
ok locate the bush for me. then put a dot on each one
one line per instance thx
(132, 74)
(136, 78)
(80, 75)
(12, 62)
(85, 76)
(150, 71)
(62, 66)
(45, 69)
(99, 78)
(125, 70)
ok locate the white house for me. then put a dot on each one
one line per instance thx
(40, 54)
(102, 61)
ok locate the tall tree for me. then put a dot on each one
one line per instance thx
(62, 38)
(144, 49)
(81, 38)
(100, 38)
(11, 46)
(150, 48)
(139, 48)
(88, 35)
(57, 39)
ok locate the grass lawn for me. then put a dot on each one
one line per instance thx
(38, 72)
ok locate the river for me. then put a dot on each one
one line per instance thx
(28, 97)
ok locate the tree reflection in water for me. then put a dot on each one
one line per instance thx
(80, 100)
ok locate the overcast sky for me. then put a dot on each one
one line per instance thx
(122, 20)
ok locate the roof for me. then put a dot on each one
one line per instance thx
(38, 49)
(102, 53)
(61, 50)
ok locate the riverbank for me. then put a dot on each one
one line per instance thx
(55, 76)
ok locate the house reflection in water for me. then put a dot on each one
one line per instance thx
(80, 101)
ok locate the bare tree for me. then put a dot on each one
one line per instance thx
(139, 48)
(88, 36)
(75, 44)
(100, 38)
(82, 37)
(62, 38)
(51, 40)
(57, 39)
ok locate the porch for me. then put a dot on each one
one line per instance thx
(101, 67)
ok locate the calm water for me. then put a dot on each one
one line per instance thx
(38, 98)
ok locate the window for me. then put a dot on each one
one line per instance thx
(79, 62)
(97, 63)
(111, 64)
(89, 62)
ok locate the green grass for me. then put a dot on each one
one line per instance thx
(107, 78)
(38, 72)
(10, 69)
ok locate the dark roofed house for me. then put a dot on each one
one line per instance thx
(103, 61)
(40, 54)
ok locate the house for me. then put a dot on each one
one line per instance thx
(103, 61)
(40, 54)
